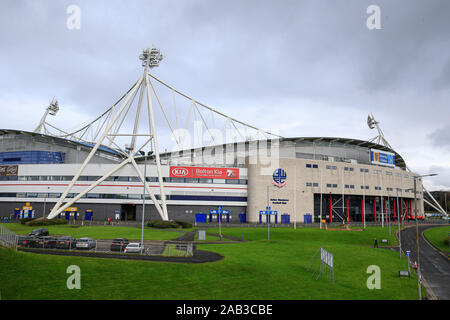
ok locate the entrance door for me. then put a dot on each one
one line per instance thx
(129, 211)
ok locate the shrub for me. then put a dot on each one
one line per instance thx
(446, 241)
(160, 224)
(45, 222)
(24, 221)
(184, 224)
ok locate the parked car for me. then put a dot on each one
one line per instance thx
(39, 232)
(119, 244)
(25, 241)
(85, 243)
(45, 242)
(66, 242)
(134, 247)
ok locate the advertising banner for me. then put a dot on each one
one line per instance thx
(382, 158)
(9, 170)
(204, 172)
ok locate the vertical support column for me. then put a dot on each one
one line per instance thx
(362, 209)
(385, 208)
(374, 209)
(331, 208)
(395, 209)
(348, 209)
(401, 210)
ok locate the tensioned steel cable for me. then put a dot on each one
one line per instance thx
(212, 109)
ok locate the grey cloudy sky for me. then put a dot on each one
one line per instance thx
(305, 68)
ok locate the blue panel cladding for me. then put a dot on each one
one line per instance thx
(31, 157)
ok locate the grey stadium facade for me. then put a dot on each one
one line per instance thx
(333, 179)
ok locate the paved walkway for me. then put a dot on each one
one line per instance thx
(435, 268)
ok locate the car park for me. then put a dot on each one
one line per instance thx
(119, 244)
(86, 243)
(45, 242)
(39, 232)
(66, 242)
(25, 241)
(134, 247)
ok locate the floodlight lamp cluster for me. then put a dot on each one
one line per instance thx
(151, 57)
(53, 107)
(371, 122)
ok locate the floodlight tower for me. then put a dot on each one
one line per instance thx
(52, 109)
(372, 123)
(380, 139)
(150, 58)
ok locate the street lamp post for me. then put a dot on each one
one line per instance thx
(419, 282)
(398, 223)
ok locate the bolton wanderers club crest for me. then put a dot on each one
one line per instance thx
(279, 178)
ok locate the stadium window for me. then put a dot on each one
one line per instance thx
(232, 181)
(42, 195)
(219, 181)
(331, 167)
(67, 178)
(328, 185)
(82, 178)
(54, 195)
(122, 179)
(335, 185)
(107, 196)
(93, 178)
(22, 178)
(352, 186)
(309, 184)
(55, 178)
(315, 184)
(21, 195)
(93, 195)
(43, 178)
(398, 174)
(134, 196)
(363, 170)
(31, 195)
(34, 178)
(315, 166)
(191, 180)
(135, 179)
(175, 180)
(388, 173)
(205, 180)
(367, 187)
(308, 165)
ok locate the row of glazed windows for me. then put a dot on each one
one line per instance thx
(123, 179)
(120, 196)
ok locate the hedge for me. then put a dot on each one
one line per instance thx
(160, 224)
(45, 222)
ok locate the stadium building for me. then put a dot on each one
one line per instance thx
(88, 174)
(333, 179)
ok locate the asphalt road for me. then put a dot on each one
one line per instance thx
(435, 268)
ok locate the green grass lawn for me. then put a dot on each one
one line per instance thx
(258, 269)
(437, 235)
(100, 232)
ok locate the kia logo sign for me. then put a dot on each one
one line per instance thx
(180, 172)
